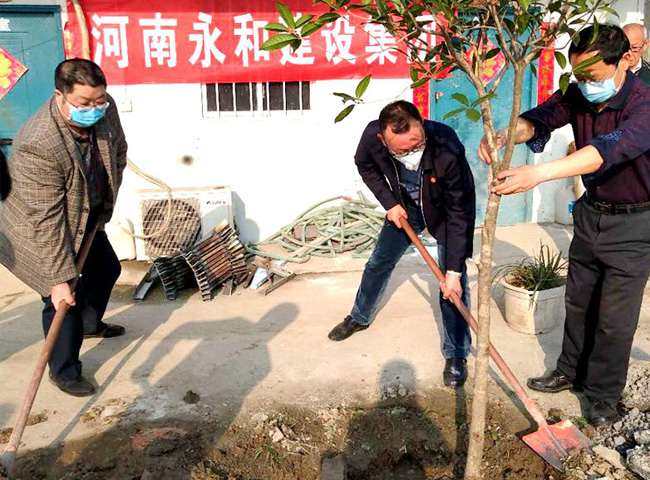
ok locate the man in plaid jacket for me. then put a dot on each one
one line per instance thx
(66, 168)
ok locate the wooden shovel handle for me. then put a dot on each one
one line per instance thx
(528, 402)
(11, 449)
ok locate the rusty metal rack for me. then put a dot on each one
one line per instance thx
(175, 274)
(216, 261)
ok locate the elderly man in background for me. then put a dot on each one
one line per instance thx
(637, 34)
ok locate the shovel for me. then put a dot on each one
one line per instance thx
(10, 451)
(551, 442)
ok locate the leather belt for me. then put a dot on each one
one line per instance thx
(617, 208)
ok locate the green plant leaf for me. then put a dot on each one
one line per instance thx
(275, 27)
(346, 97)
(523, 21)
(473, 114)
(329, 17)
(414, 74)
(533, 69)
(594, 36)
(453, 113)
(344, 113)
(587, 63)
(459, 97)
(492, 53)
(561, 59)
(303, 20)
(310, 28)
(286, 15)
(363, 86)
(420, 82)
(276, 42)
(564, 82)
(484, 98)
(524, 4)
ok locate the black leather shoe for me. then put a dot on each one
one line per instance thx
(345, 329)
(455, 372)
(79, 387)
(108, 332)
(601, 413)
(552, 383)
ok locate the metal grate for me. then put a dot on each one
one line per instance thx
(183, 230)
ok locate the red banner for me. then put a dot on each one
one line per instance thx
(211, 41)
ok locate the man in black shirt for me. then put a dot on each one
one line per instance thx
(609, 258)
(418, 171)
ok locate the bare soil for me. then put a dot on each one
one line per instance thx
(405, 437)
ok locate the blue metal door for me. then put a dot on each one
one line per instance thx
(34, 36)
(515, 208)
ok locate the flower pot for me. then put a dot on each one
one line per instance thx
(541, 315)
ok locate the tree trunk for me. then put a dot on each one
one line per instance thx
(488, 231)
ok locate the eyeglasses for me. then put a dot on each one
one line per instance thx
(88, 108)
(417, 149)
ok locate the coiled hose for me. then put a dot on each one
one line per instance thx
(353, 224)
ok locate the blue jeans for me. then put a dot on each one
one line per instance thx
(391, 245)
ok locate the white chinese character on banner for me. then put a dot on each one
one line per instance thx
(206, 42)
(160, 41)
(251, 38)
(111, 40)
(382, 44)
(299, 56)
(427, 39)
(338, 41)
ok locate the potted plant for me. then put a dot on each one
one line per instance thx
(534, 291)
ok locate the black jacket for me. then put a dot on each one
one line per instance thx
(447, 194)
(5, 179)
(644, 72)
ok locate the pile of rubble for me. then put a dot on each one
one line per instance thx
(623, 447)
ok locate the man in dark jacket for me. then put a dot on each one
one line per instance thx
(418, 171)
(609, 257)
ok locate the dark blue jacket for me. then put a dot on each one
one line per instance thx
(448, 199)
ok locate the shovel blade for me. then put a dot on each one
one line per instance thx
(554, 444)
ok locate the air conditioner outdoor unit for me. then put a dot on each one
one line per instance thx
(194, 215)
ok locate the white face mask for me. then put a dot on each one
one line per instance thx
(411, 160)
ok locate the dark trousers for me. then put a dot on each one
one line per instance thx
(391, 245)
(609, 262)
(99, 274)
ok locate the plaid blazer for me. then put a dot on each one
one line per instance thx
(43, 221)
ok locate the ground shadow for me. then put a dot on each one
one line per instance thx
(397, 439)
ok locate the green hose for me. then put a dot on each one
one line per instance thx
(352, 225)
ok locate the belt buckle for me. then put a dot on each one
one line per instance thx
(606, 208)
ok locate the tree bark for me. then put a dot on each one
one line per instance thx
(488, 231)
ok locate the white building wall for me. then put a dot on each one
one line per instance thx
(276, 166)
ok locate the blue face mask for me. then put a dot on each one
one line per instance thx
(599, 92)
(87, 116)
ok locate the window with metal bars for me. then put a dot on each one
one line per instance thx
(261, 99)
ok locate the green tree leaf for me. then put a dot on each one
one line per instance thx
(484, 98)
(345, 97)
(453, 113)
(328, 18)
(420, 82)
(275, 27)
(363, 86)
(281, 40)
(344, 113)
(286, 15)
(564, 82)
(561, 59)
(303, 20)
(459, 97)
(310, 28)
(473, 114)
